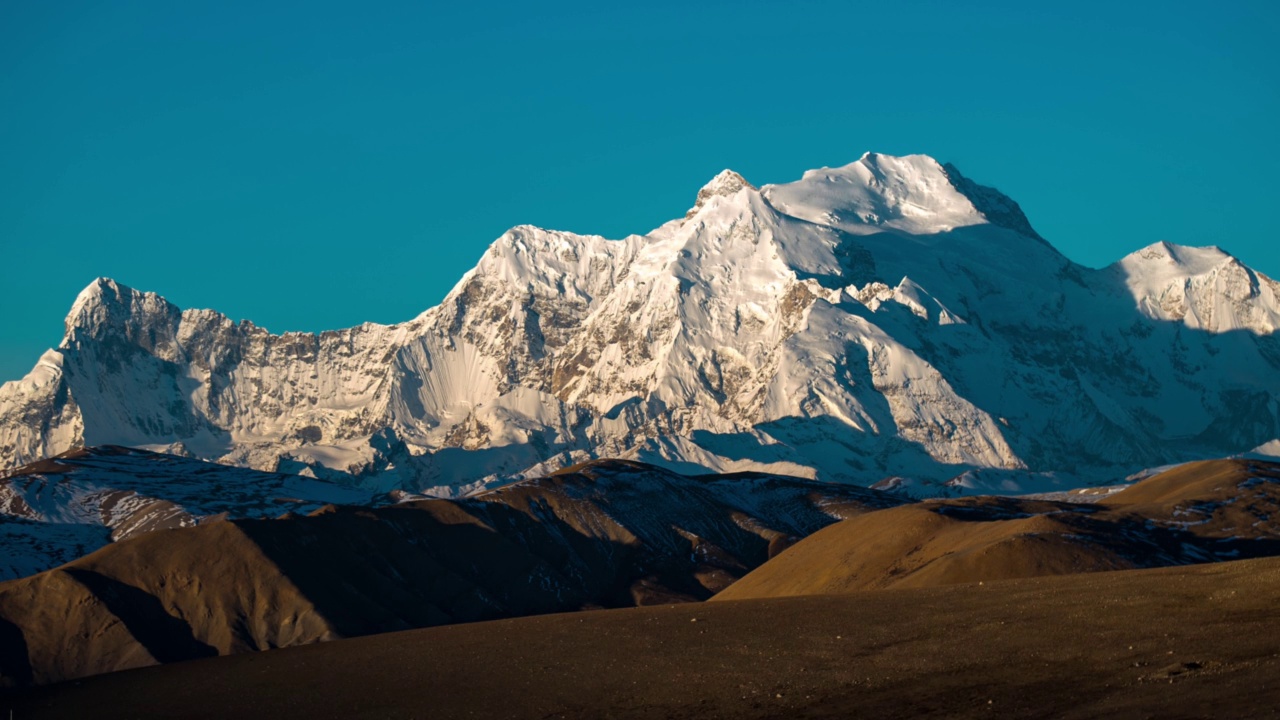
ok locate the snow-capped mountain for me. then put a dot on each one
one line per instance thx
(889, 319)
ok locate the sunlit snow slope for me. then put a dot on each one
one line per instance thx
(889, 319)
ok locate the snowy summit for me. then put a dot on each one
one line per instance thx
(887, 320)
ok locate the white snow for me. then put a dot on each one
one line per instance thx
(911, 193)
(887, 318)
(1203, 288)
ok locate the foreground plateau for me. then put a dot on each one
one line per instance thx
(607, 534)
(1182, 642)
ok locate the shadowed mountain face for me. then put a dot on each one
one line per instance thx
(1201, 512)
(605, 534)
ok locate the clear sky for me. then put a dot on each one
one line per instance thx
(314, 165)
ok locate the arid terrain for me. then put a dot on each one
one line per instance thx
(603, 534)
(941, 608)
(1184, 642)
(1199, 512)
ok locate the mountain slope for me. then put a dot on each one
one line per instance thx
(1201, 512)
(606, 534)
(886, 318)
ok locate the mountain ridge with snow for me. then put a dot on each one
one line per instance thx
(885, 319)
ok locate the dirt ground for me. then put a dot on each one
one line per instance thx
(1198, 641)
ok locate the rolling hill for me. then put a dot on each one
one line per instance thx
(603, 534)
(1201, 512)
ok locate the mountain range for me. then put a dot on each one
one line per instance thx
(889, 321)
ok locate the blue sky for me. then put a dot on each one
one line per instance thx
(316, 165)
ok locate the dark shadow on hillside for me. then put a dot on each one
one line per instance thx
(166, 637)
(435, 468)
(399, 568)
(15, 663)
(742, 446)
(841, 452)
(1144, 541)
(865, 457)
(522, 550)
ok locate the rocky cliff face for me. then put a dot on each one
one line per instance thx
(888, 318)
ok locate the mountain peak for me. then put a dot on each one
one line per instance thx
(724, 184)
(1186, 259)
(895, 164)
(100, 292)
(911, 193)
(105, 303)
(99, 288)
(1205, 288)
